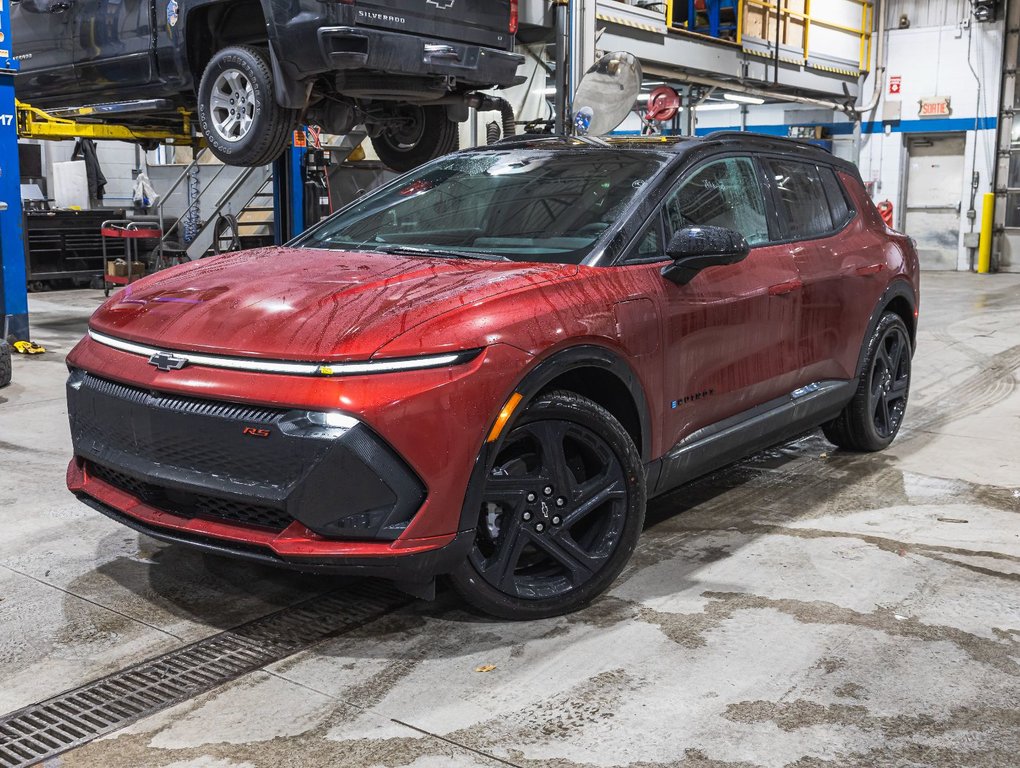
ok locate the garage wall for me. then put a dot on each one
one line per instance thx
(968, 73)
(118, 160)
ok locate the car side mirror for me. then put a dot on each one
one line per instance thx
(696, 248)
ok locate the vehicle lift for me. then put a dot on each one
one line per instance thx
(13, 289)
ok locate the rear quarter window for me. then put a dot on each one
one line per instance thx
(836, 195)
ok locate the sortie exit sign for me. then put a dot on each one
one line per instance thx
(935, 107)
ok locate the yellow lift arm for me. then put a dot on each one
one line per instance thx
(34, 123)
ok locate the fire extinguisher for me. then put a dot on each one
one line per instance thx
(885, 208)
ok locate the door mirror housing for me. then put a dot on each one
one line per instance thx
(696, 248)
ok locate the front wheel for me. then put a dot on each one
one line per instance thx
(412, 135)
(6, 365)
(561, 510)
(874, 416)
(237, 109)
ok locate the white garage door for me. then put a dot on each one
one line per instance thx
(934, 184)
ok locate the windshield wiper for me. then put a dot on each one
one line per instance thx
(409, 250)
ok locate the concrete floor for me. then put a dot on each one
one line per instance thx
(805, 608)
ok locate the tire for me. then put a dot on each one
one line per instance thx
(874, 416)
(226, 234)
(240, 78)
(417, 135)
(6, 365)
(555, 527)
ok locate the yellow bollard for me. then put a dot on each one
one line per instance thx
(984, 264)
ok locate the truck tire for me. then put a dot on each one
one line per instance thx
(5, 363)
(237, 109)
(422, 134)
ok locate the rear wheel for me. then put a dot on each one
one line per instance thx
(237, 109)
(873, 418)
(413, 135)
(561, 511)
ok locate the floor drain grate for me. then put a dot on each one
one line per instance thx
(78, 716)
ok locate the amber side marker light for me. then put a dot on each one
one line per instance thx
(504, 416)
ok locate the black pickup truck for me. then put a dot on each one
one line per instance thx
(254, 69)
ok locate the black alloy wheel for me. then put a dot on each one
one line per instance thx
(890, 382)
(561, 509)
(875, 414)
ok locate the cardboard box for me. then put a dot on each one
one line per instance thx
(119, 268)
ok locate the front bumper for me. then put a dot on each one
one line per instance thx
(433, 421)
(296, 548)
(346, 48)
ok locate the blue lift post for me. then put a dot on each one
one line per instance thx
(289, 190)
(13, 286)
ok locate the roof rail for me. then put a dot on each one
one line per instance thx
(764, 137)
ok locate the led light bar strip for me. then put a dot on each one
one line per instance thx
(293, 368)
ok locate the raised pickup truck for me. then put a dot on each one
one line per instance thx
(253, 70)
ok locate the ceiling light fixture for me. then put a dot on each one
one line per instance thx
(741, 98)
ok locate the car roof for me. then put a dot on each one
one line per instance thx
(681, 145)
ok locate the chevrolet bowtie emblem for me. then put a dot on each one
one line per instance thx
(443, 5)
(167, 362)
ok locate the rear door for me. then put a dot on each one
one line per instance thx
(839, 262)
(481, 22)
(113, 44)
(41, 35)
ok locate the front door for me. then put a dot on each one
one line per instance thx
(731, 333)
(113, 46)
(934, 191)
(41, 35)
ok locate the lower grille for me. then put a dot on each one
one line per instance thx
(190, 505)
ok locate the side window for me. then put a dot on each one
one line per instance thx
(837, 197)
(724, 193)
(801, 198)
(648, 246)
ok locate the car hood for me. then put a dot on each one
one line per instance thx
(304, 304)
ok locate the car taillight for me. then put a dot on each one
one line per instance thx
(514, 17)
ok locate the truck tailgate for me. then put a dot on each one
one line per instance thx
(481, 22)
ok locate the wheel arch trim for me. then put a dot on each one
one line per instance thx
(533, 382)
(899, 288)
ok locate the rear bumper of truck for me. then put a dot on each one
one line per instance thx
(358, 48)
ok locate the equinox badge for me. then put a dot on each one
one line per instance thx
(167, 362)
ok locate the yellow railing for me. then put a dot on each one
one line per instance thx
(809, 20)
(863, 33)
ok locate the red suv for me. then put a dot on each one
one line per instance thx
(484, 369)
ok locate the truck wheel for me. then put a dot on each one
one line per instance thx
(237, 110)
(415, 135)
(5, 363)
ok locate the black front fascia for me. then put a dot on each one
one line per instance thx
(218, 460)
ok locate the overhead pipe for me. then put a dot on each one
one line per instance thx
(563, 40)
(712, 82)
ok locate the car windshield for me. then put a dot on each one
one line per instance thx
(520, 205)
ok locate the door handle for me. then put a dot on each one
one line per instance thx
(61, 6)
(872, 269)
(781, 289)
